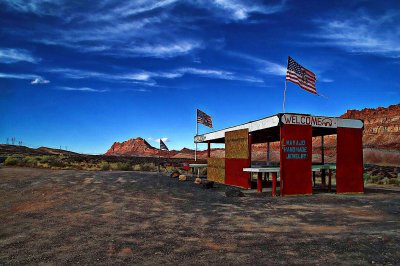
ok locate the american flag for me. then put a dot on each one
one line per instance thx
(301, 76)
(204, 118)
(163, 146)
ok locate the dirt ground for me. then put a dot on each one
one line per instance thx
(71, 217)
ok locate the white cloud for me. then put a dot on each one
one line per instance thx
(85, 89)
(326, 80)
(240, 9)
(9, 56)
(163, 139)
(219, 74)
(38, 7)
(19, 76)
(362, 33)
(263, 65)
(40, 81)
(163, 50)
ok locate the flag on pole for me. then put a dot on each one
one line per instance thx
(204, 118)
(301, 76)
(163, 146)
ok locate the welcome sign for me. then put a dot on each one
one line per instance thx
(307, 120)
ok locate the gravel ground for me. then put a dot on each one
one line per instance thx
(71, 217)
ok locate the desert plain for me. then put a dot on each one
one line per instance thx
(114, 217)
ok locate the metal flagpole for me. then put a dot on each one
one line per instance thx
(197, 132)
(284, 98)
(159, 157)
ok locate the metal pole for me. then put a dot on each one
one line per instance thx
(322, 150)
(197, 132)
(284, 98)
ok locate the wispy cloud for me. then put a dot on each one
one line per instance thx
(325, 80)
(19, 76)
(84, 89)
(40, 81)
(263, 65)
(219, 74)
(161, 50)
(38, 7)
(9, 56)
(241, 9)
(148, 78)
(362, 33)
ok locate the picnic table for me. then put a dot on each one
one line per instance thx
(275, 170)
(323, 168)
(193, 166)
(259, 170)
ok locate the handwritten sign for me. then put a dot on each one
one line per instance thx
(315, 121)
(295, 149)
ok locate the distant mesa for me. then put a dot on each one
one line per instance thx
(381, 141)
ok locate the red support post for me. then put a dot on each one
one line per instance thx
(274, 184)
(259, 182)
(208, 149)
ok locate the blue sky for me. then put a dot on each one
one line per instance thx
(84, 74)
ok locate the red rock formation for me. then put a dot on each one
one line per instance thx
(136, 146)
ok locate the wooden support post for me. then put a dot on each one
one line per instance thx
(208, 149)
(273, 184)
(313, 178)
(323, 179)
(330, 180)
(259, 182)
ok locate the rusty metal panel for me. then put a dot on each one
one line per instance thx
(237, 144)
(216, 170)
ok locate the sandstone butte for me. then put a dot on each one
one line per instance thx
(381, 140)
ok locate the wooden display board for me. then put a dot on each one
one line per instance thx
(237, 144)
(216, 170)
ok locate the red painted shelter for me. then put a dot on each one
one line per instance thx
(295, 132)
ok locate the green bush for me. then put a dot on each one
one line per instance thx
(148, 167)
(137, 167)
(12, 161)
(394, 181)
(30, 161)
(105, 166)
(121, 166)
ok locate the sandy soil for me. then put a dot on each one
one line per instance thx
(71, 217)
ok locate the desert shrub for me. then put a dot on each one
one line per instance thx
(121, 166)
(12, 161)
(148, 167)
(46, 159)
(137, 167)
(394, 181)
(30, 161)
(104, 166)
(371, 179)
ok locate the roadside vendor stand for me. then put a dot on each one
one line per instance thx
(295, 170)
